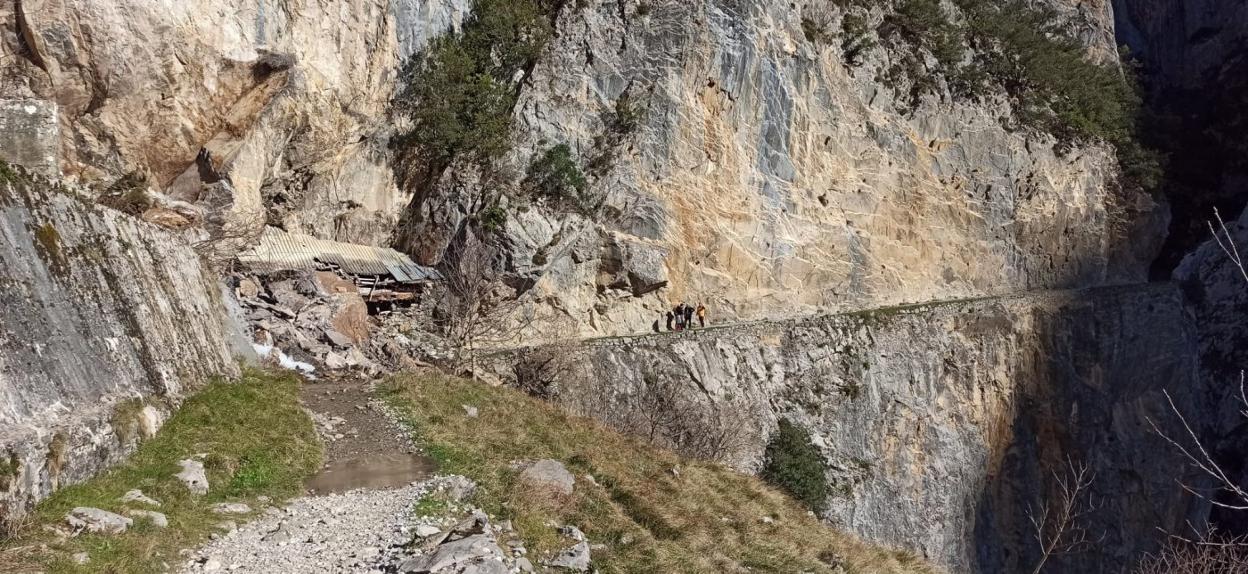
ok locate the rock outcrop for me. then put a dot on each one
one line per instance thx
(759, 173)
(285, 101)
(940, 424)
(30, 135)
(107, 322)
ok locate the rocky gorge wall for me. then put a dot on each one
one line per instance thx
(765, 175)
(769, 177)
(106, 323)
(940, 424)
(1193, 57)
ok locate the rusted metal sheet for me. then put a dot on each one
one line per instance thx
(280, 251)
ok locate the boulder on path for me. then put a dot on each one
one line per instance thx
(192, 475)
(427, 530)
(137, 495)
(550, 474)
(158, 519)
(350, 317)
(336, 361)
(97, 521)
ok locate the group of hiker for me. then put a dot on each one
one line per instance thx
(681, 317)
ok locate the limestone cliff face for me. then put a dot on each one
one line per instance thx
(106, 323)
(764, 176)
(768, 177)
(287, 98)
(940, 424)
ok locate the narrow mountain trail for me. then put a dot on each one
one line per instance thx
(726, 328)
(357, 516)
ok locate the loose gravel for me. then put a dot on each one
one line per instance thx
(355, 532)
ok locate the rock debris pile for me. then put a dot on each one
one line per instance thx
(315, 321)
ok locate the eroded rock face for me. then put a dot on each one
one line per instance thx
(106, 323)
(768, 177)
(286, 100)
(939, 424)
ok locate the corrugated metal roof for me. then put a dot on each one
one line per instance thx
(279, 251)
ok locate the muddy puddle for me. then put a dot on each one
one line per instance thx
(376, 471)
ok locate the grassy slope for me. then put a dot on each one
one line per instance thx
(705, 519)
(257, 441)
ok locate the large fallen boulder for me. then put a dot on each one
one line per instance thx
(480, 552)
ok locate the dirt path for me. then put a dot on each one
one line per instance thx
(357, 516)
(364, 447)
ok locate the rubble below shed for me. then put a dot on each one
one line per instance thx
(317, 304)
(308, 321)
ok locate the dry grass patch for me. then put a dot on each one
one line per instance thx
(653, 510)
(256, 439)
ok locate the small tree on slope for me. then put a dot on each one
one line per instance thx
(794, 465)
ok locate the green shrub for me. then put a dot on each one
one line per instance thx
(1026, 51)
(460, 91)
(814, 32)
(493, 218)
(794, 465)
(924, 23)
(7, 173)
(856, 37)
(557, 176)
(925, 27)
(1055, 88)
(628, 114)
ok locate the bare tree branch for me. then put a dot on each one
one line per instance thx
(1227, 243)
(1207, 553)
(1196, 454)
(1058, 524)
(479, 310)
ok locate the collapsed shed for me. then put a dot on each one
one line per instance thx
(384, 277)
